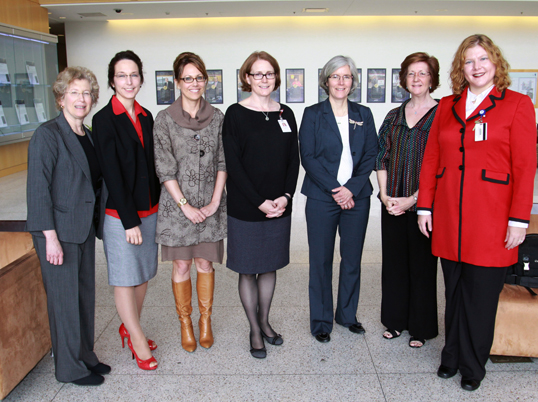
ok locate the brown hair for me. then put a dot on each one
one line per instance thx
(70, 74)
(457, 78)
(123, 55)
(247, 65)
(188, 58)
(433, 69)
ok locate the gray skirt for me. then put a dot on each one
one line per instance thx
(258, 247)
(130, 265)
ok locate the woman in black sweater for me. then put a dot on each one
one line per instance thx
(262, 159)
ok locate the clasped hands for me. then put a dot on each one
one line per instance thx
(274, 208)
(343, 197)
(196, 215)
(397, 205)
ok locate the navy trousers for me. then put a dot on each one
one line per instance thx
(323, 219)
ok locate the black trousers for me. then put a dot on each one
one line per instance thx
(70, 289)
(472, 296)
(408, 277)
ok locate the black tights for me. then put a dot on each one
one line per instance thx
(256, 293)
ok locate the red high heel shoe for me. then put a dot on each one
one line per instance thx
(143, 364)
(125, 334)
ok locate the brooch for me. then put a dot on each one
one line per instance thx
(355, 123)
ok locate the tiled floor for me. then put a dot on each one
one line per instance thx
(350, 367)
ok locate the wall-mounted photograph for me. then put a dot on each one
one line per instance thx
(525, 82)
(375, 92)
(164, 86)
(213, 89)
(295, 85)
(275, 95)
(398, 94)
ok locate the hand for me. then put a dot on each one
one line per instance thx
(280, 206)
(134, 236)
(398, 205)
(269, 208)
(425, 224)
(55, 253)
(350, 204)
(342, 195)
(210, 209)
(193, 214)
(514, 237)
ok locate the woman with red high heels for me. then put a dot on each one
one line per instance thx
(124, 143)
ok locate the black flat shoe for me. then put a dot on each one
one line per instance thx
(258, 353)
(100, 368)
(273, 340)
(446, 372)
(91, 380)
(469, 385)
(324, 337)
(357, 328)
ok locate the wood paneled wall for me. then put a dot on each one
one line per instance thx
(13, 158)
(25, 14)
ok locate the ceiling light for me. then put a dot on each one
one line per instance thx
(315, 10)
(62, 18)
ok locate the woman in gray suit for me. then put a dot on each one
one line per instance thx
(63, 180)
(338, 150)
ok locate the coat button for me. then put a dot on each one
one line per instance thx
(202, 153)
(462, 130)
(461, 149)
(197, 137)
(460, 167)
(354, 153)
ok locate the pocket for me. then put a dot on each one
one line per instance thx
(440, 173)
(496, 177)
(60, 208)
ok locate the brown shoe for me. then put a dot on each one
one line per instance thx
(205, 285)
(183, 296)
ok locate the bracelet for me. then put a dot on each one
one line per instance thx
(288, 198)
(415, 197)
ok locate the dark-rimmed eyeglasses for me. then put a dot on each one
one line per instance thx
(259, 76)
(188, 79)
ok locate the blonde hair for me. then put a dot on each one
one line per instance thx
(70, 74)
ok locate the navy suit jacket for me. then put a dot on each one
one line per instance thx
(321, 150)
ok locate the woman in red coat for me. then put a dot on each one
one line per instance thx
(477, 178)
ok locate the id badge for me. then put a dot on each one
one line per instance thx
(481, 131)
(284, 126)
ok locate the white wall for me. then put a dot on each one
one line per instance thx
(296, 42)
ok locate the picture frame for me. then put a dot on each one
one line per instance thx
(398, 94)
(525, 82)
(355, 96)
(295, 85)
(164, 87)
(275, 95)
(375, 92)
(213, 89)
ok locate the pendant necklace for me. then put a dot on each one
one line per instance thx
(266, 115)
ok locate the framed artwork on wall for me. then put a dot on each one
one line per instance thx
(398, 94)
(164, 87)
(322, 95)
(525, 82)
(375, 92)
(213, 89)
(295, 85)
(275, 95)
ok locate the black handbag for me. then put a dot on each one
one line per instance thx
(525, 271)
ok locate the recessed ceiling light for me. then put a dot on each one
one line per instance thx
(62, 18)
(315, 10)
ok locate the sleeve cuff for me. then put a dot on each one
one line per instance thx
(423, 212)
(518, 224)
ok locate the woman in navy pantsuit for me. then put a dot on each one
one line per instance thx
(338, 145)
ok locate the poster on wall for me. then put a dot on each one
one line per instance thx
(3, 121)
(525, 82)
(164, 86)
(275, 95)
(32, 73)
(398, 94)
(4, 72)
(295, 85)
(322, 95)
(22, 115)
(40, 110)
(213, 89)
(376, 85)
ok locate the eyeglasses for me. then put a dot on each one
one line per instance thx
(336, 77)
(259, 76)
(122, 76)
(421, 74)
(188, 79)
(76, 94)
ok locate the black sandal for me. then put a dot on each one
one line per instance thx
(395, 334)
(413, 339)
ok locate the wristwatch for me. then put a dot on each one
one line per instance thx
(182, 201)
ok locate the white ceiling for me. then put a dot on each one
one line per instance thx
(264, 8)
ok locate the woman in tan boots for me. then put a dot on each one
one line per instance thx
(191, 224)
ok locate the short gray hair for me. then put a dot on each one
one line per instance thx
(334, 64)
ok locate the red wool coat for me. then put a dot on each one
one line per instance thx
(475, 187)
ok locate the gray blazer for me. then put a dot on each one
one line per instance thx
(59, 192)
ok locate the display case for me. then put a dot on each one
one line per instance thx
(28, 68)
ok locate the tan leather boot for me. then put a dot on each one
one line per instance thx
(183, 296)
(205, 285)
